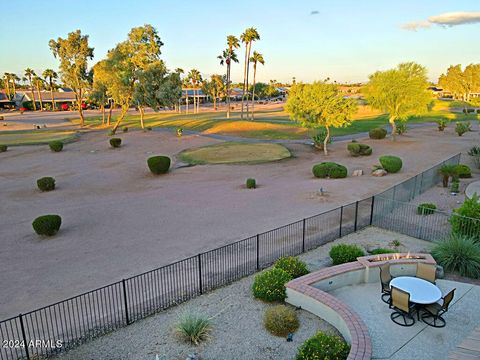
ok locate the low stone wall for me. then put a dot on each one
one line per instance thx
(310, 292)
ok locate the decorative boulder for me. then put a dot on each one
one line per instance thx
(379, 172)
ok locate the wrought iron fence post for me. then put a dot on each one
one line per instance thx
(371, 210)
(341, 218)
(303, 237)
(22, 327)
(125, 303)
(356, 217)
(200, 286)
(258, 251)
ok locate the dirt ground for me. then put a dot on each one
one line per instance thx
(119, 220)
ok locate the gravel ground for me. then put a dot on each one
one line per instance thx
(238, 332)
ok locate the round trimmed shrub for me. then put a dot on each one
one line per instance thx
(390, 163)
(159, 164)
(56, 146)
(323, 346)
(343, 253)
(463, 171)
(115, 142)
(125, 129)
(251, 183)
(292, 265)
(426, 209)
(377, 133)
(459, 254)
(356, 149)
(280, 320)
(46, 183)
(47, 224)
(329, 169)
(3, 148)
(269, 285)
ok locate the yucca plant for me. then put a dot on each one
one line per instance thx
(459, 254)
(447, 171)
(193, 327)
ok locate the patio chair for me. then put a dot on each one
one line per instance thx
(433, 312)
(426, 272)
(385, 278)
(400, 301)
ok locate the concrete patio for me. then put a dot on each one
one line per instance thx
(390, 341)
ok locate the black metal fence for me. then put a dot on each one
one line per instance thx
(68, 323)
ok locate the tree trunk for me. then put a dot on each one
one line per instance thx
(325, 142)
(227, 100)
(14, 88)
(253, 92)
(391, 120)
(445, 181)
(214, 103)
(194, 102)
(186, 107)
(142, 115)
(248, 70)
(109, 118)
(33, 96)
(120, 118)
(54, 108)
(7, 83)
(102, 107)
(244, 77)
(40, 97)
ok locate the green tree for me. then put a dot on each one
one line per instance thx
(39, 82)
(51, 76)
(125, 64)
(74, 53)
(98, 94)
(257, 58)
(260, 89)
(180, 72)
(400, 92)
(227, 57)
(461, 83)
(248, 37)
(156, 88)
(320, 105)
(29, 74)
(215, 88)
(195, 78)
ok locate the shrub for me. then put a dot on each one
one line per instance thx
(158, 164)
(402, 128)
(323, 347)
(461, 128)
(46, 183)
(448, 171)
(459, 254)
(125, 129)
(269, 285)
(115, 142)
(442, 124)
(149, 128)
(193, 327)
(329, 169)
(465, 220)
(280, 320)
(292, 265)
(380, 251)
(47, 224)
(426, 209)
(3, 148)
(55, 146)
(343, 253)
(356, 149)
(319, 138)
(251, 183)
(390, 163)
(455, 188)
(463, 171)
(474, 151)
(377, 133)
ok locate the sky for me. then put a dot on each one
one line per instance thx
(344, 40)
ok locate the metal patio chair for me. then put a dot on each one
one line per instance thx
(426, 272)
(400, 301)
(385, 278)
(432, 315)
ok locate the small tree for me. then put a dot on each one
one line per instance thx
(74, 53)
(400, 92)
(215, 88)
(320, 105)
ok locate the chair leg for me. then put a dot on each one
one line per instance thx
(402, 319)
(386, 298)
(433, 320)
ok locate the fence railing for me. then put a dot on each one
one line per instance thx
(68, 323)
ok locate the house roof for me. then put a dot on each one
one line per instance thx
(46, 96)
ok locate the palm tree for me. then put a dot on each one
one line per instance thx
(50, 76)
(229, 56)
(6, 77)
(249, 36)
(195, 78)
(38, 81)
(29, 74)
(15, 78)
(256, 58)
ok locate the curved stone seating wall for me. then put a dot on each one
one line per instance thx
(310, 292)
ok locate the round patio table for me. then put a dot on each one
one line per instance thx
(421, 291)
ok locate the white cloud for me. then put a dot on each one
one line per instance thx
(445, 20)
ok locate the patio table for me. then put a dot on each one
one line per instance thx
(421, 291)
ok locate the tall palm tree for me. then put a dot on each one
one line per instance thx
(232, 43)
(38, 81)
(195, 78)
(15, 78)
(29, 74)
(256, 58)
(250, 35)
(50, 76)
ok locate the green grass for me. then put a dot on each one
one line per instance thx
(36, 137)
(234, 153)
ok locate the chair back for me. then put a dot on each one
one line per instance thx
(447, 299)
(385, 275)
(400, 299)
(426, 272)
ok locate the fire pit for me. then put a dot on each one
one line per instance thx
(395, 258)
